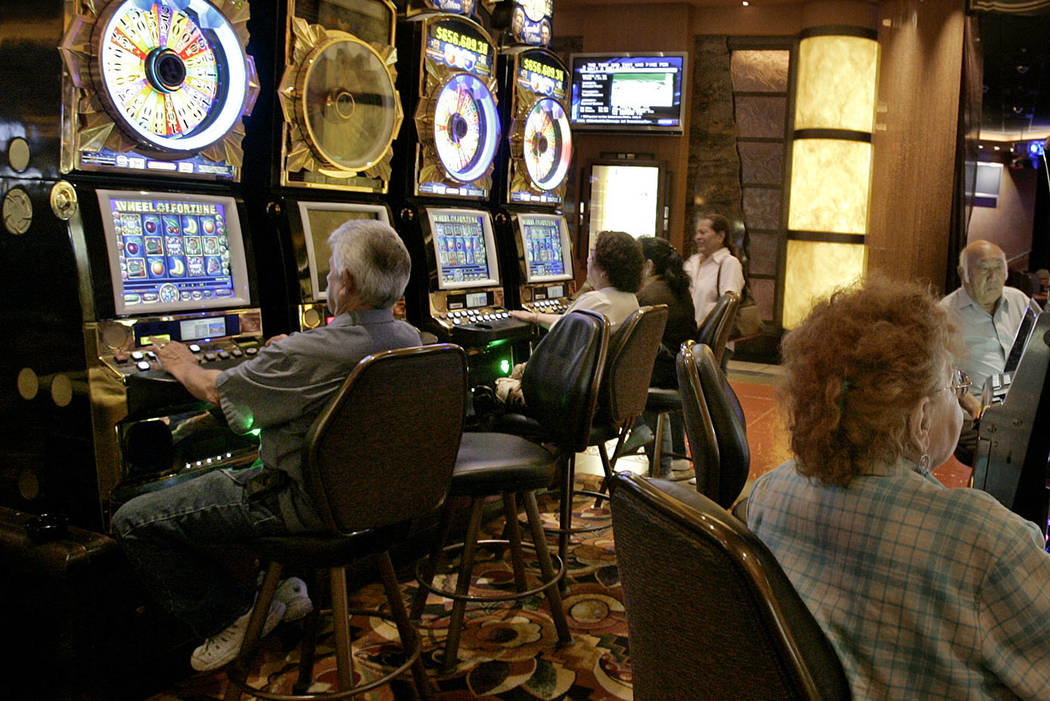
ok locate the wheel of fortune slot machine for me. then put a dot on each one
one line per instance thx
(535, 160)
(131, 229)
(443, 176)
(123, 225)
(319, 146)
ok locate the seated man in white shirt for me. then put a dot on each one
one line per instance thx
(988, 314)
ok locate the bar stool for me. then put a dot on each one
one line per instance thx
(560, 388)
(378, 457)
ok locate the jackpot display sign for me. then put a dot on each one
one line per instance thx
(173, 253)
(541, 139)
(458, 122)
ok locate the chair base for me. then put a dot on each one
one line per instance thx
(411, 642)
(238, 675)
(489, 598)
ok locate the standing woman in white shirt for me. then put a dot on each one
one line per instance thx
(714, 268)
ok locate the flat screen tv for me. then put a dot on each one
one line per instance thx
(545, 244)
(173, 252)
(628, 92)
(319, 220)
(464, 248)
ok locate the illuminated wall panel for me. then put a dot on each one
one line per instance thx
(831, 165)
(815, 269)
(830, 186)
(836, 79)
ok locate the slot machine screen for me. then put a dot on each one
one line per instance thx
(319, 220)
(545, 243)
(464, 248)
(171, 252)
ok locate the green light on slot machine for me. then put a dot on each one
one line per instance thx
(504, 366)
(255, 432)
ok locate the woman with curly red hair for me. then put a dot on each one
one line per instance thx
(925, 592)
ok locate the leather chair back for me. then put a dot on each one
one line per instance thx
(709, 610)
(629, 366)
(383, 450)
(715, 329)
(560, 382)
(717, 437)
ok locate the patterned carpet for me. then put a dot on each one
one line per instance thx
(507, 651)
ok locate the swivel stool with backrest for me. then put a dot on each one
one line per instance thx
(710, 612)
(714, 332)
(625, 382)
(560, 385)
(714, 425)
(378, 458)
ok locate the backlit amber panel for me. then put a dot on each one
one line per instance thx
(836, 83)
(830, 186)
(760, 70)
(815, 269)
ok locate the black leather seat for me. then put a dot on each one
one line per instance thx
(710, 613)
(713, 332)
(378, 458)
(560, 385)
(714, 425)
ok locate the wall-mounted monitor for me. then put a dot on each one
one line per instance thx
(319, 220)
(173, 252)
(627, 92)
(544, 240)
(464, 248)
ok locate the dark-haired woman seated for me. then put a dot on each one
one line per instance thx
(614, 272)
(666, 282)
(925, 592)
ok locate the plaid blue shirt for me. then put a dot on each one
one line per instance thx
(925, 592)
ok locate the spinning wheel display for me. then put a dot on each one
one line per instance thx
(466, 127)
(548, 144)
(341, 108)
(174, 79)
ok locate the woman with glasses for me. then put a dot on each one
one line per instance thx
(925, 592)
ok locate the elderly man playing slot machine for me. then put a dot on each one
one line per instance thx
(988, 314)
(167, 534)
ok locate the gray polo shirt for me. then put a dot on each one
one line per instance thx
(284, 388)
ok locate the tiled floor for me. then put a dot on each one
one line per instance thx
(756, 387)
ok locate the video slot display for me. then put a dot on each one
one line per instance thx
(545, 243)
(173, 252)
(628, 93)
(464, 248)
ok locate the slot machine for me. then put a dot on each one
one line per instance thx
(1012, 459)
(443, 168)
(535, 161)
(319, 144)
(123, 226)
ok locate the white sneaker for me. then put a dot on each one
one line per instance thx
(222, 648)
(292, 593)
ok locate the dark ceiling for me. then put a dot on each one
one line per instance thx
(1016, 100)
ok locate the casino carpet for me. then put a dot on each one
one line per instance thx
(507, 651)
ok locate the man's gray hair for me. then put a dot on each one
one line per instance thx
(373, 254)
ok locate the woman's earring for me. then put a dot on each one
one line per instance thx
(924, 462)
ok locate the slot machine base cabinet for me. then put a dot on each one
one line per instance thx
(79, 623)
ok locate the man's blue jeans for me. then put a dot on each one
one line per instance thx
(169, 537)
